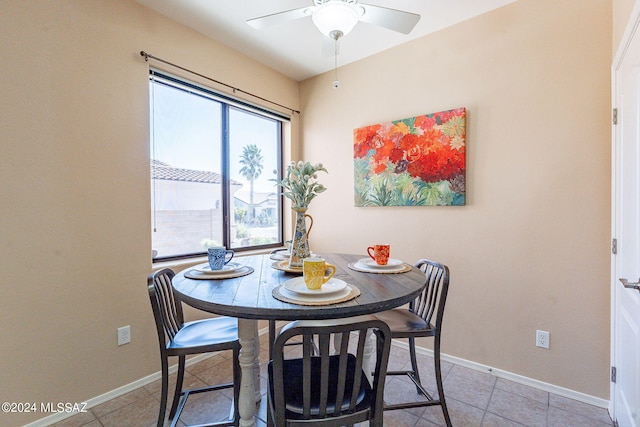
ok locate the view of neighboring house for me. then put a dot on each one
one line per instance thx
(191, 222)
(265, 205)
(184, 224)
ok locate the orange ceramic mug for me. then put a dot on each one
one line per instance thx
(380, 253)
(313, 270)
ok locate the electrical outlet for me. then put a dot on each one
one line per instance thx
(124, 335)
(542, 339)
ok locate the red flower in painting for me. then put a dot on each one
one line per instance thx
(412, 146)
(442, 117)
(429, 147)
(383, 149)
(458, 112)
(364, 139)
(397, 132)
(438, 163)
(396, 155)
(415, 169)
(425, 122)
(378, 167)
(431, 138)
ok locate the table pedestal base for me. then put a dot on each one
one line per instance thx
(250, 367)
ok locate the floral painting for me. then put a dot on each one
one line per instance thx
(418, 161)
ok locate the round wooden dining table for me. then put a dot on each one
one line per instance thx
(250, 298)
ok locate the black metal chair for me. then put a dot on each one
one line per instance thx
(180, 339)
(325, 389)
(422, 319)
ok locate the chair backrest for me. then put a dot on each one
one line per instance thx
(167, 310)
(330, 389)
(433, 297)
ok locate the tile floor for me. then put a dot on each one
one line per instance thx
(475, 399)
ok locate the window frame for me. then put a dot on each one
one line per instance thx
(227, 103)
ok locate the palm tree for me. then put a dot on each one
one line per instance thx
(251, 161)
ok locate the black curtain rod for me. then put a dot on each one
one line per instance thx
(148, 56)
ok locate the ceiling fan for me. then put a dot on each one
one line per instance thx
(336, 18)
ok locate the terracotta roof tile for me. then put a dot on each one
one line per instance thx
(164, 171)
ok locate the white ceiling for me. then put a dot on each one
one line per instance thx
(296, 48)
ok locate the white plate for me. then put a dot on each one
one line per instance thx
(366, 268)
(284, 266)
(298, 286)
(206, 268)
(314, 299)
(391, 263)
(279, 256)
(283, 255)
(194, 274)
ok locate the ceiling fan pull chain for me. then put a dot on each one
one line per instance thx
(335, 35)
(336, 82)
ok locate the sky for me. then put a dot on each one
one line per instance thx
(187, 133)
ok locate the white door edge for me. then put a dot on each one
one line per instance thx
(631, 29)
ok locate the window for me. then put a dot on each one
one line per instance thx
(215, 163)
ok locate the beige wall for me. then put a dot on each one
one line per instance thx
(621, 11)
(529, 251)
(531, 248)
(75, 243)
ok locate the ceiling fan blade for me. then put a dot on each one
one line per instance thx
(396, 20)
(280, 17)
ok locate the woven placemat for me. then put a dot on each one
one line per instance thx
(353, 292)
(353, 266)
(284, 266)
(194, 274)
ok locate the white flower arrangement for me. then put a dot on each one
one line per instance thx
(300, 184)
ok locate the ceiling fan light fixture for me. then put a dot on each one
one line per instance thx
(336, 15)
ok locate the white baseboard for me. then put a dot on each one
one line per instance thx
(541, 385)
(95, 401)
(571, 394)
